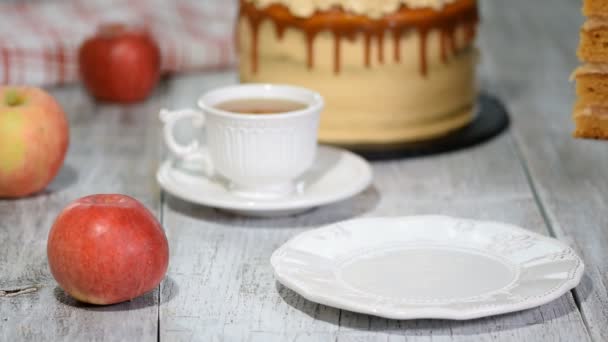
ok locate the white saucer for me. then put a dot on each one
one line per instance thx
(336, 175)
(427, 267)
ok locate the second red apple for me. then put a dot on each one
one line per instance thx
(120, 63)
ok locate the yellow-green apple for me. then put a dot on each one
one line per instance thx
(106, 249)
(34, 138)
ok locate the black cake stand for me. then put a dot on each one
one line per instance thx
(491, 119)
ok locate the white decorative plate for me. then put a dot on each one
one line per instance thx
(335, 175)
(427, 267)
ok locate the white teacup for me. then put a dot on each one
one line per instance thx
(260, 154)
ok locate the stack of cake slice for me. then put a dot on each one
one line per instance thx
(591, 109)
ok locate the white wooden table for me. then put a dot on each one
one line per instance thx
(220, 286)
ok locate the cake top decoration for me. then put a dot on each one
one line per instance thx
(370, 8)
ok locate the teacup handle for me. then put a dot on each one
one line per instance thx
(194, 150)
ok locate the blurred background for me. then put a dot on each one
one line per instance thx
(39, 40)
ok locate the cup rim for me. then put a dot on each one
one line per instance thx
(316, 106)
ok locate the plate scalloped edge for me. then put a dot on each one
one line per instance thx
(431, 311)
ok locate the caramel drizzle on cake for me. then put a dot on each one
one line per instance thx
(344, 25)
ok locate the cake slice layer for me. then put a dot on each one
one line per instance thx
(591, 121)
(592, 84)
(593, 45)
(595, 8)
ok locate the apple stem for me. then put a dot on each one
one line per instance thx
(13, 99)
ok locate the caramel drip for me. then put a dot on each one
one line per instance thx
(423, 59)
(338, 35)
(368, 52)
(451, 40)
(255, 19)
(443, 47)
(310, 52)
(397, 42)
(337, 41)
(380, 37)
(461, 13)
(280, 30)
(470, 28)
(254, 46)
(448, 43)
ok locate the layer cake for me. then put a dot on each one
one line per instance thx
(591, 121)
(390, 71)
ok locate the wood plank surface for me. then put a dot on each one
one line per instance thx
(221, 287)
(113, 149)
(570, 176)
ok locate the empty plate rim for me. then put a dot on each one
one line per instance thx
(431, 312)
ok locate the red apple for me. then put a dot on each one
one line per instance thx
(33, 140)
(106, 249)
(120, 63)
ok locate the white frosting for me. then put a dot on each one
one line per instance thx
(595, 111)
(594, 23)
(588, 69)
(370, 8)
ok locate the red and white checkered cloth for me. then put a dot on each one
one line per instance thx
(39, 40)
